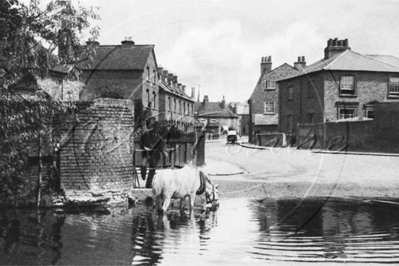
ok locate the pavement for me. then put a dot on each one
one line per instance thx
(218, 168)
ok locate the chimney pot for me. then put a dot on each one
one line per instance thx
(128, 42)
(330, 42)
(301, 63)
(335, 42)
(266, 65)
(92, 42)
(346, 43)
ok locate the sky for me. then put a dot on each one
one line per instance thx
(216, 46)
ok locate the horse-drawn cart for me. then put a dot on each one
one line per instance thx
(231, 137)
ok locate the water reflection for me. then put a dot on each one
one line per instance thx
(36, 235)
(171, 237)
(241, 232)
(327, 230)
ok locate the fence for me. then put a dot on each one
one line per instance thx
(182, 150)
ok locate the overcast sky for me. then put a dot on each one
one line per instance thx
(216, 45)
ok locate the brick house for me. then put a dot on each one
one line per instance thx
(343, 85)
(175, 106)
(125, 71)
(264, 98)
(216, 114)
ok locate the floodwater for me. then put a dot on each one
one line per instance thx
(241, 231)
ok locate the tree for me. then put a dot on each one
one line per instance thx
(30, 35)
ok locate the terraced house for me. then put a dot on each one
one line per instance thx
(130, 71)
(176, 108)
(344, 85)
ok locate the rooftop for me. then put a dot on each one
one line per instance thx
(119, 57)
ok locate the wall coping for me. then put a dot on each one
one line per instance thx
(113, 102)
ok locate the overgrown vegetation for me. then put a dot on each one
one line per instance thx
(30, 36)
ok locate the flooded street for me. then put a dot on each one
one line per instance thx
(242, 231)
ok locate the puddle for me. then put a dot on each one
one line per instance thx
(241, 232)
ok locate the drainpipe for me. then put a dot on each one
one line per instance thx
(250, 121)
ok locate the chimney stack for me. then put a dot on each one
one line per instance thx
(206, 101)
(92, 42)
(192, 93)
(266, 65)
(128, 42)
(223, 105)
(170, 78)
(183, 88)
(165, 75)
(301, 64)
(175, 80)
(335, 46)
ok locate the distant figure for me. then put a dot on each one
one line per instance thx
(153, 145)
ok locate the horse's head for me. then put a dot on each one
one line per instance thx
(211, 191)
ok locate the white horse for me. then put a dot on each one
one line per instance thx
(179, 183)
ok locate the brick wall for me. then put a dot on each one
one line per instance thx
(378, 135)
(96, 158)
(270, 139)
(351, 136)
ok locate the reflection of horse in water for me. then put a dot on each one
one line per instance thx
(154, 236)
(181, 183)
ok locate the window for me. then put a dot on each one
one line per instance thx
(269, 107)
(370, 113)
(153, 99)
(369, 108)
(290, 93)
(346, 112)
(394, 86)
(311, 89)
(169, 104)
(184, 108)
(270, 85)
(347, 85)
(174, 105)
(155, 76)
(148, 98)
(148, 73)
(289, 123)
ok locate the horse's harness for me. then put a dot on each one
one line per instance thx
(212, 196)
